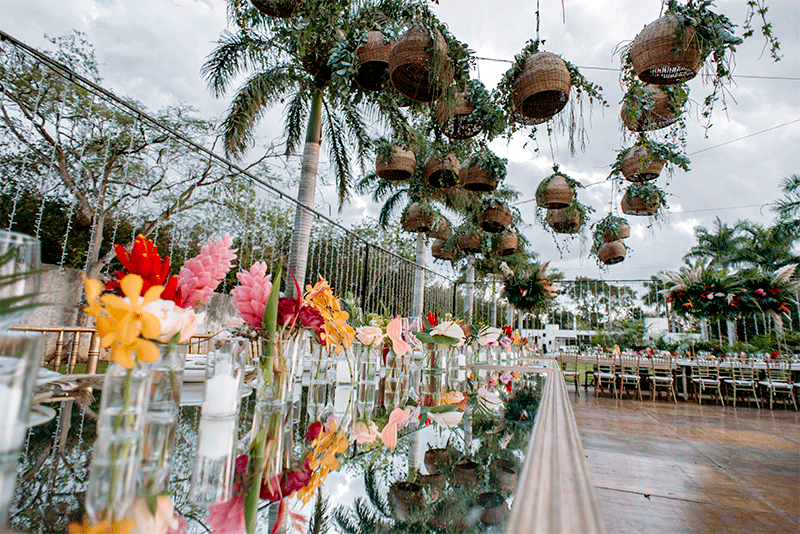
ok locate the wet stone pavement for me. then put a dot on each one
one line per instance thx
(684, 468)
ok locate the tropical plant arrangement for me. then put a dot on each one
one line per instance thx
(769, 294)
(648, 107)
(484, 171)
(467, 110)
(556, 191)
(644, 160)
(532, 292)
(673, 48)
(644, 199)
(610, 230)
(569, 79)
(700, 291)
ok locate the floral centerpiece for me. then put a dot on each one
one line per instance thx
(529, 293)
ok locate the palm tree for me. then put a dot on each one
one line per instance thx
(767, 248)
(277, 55)
(720, 246)
(788, 207)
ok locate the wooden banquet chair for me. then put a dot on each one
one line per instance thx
(662, 375)
(778, 380)
(569, 368)
(628, 375)
(707, 377)
(605, 374)
(744, 378)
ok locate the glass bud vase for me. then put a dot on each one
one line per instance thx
(366, 377)
(19, 358)
(116, 455)
(320, 363)
(277, 363)
(161, 422)
(433, 376)
(396, 380)
(214, 461)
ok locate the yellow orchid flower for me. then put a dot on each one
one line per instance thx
(124, 326)
(123, 526)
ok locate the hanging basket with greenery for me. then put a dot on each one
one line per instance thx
(282, 9)
(468, 112)
(569, 220)
(495, 214)
(483, 171)
(643, 199)
(652, 107)
(441, 251)
(610, 230)
(393, 162)
(373, 60)
(440, 229)
(441, 170)
(418, 217)
(532, 293)
(667, 51)
(556, 191)
(645, 160)
(468, 238)
(612, 252)
(505, 243)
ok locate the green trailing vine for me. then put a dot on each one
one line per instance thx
(652, 196)
(575, 184)
(490, 162)
(611, 224)
(667, 152)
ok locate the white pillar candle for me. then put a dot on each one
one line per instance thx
(11, 431)
(222, 395)
(216, 436)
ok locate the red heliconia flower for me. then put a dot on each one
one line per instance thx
(432, 320)
(313, 431)
(144, 260)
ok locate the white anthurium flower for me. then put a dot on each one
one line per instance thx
(489, 400)
(488, 334)
(174, 320)
(446, 419)
(449, 329)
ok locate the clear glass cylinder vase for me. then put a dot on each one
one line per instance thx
(161, 422)
(433, 371)
(214, 461)
(396, 379)
(116, 455)
(19, 358)
(272, 413)
(320, 364)
(366, 373)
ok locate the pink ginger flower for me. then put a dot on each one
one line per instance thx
(250, 296)
(227, 517)
(201, 275)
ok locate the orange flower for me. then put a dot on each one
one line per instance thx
(123, 526)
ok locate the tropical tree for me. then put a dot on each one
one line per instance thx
(766, 247)
(788, 207)
(61, 139)
(599, 302)
(302, 62)
(722, 245)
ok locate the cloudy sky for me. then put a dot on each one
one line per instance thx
(152, 50)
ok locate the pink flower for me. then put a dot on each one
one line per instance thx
(389, 432)
(364, 432)
(250, 296)
(394, 331)
(491, 382)
(505, 378)
(412, 340)
(227, 517)
(201, 275)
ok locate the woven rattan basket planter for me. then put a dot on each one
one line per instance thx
(439, 251)
(655, 119)
(455, 118)
(399, 167)
(542, 88)
(411, 70)
(283, 9)
(315, 62)
(414, 220)
(636, 206)
(440, 229)
(469, 243)
(660, 58)
(624, 233)
(639, 165)
(564, 221)
(612, 252)
(557, 195)
(373, 59)
(495, 220)
(506, 244)
(442, 172)
(474, 178)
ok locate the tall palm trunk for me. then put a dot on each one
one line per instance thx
(301, 232)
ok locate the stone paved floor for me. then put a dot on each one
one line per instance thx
(664, 467)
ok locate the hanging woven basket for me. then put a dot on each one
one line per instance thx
(416, 74)
(633, 205)
(542, 88)
(469, 243)
(612, 252)
(440, 229)
(373, 59)
(665, 54)
(442, 172)
(639, 165)
(557, 194)
(660, 116)
(399, 167)
(474, 178)
(496, 219)
(282, 9)
(564, 221)
(506, 243)
(623, 233)
(455, 118)
(315, 62)
(415, 220)
(439, 251)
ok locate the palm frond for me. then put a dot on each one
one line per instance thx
(376, 497)
(319, 523)
(344, 518)
(296, 113)
(389, 207)
(234, 54)
(337, 151)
